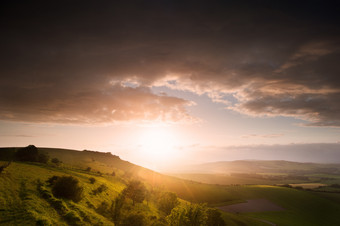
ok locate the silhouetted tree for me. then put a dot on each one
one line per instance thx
(136, 191)
(29, 153)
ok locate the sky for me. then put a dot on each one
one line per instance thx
(164, 82)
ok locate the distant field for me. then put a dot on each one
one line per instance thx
(308, 185)
(224, 179)
(301, 207)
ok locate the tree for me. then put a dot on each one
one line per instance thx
(197, 214)
(67, 187)
(190, 215)
(116, 207)
(136, 191)
(178, 217)
(135, 220)
(167, 202)
(214, 218)
(29, 153)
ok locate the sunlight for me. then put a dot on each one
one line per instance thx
(158, 143)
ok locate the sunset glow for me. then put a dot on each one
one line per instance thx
(157, 144)
(168, 81)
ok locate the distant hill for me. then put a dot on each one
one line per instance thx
(260, 166)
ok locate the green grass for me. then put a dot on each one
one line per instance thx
(301, 207)
(22, 204)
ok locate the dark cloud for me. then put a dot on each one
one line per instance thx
(64, 61)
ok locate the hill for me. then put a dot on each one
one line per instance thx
(27, 191)
(261, 166)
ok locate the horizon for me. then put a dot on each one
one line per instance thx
(168, 83)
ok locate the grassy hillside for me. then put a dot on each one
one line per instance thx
(26, 198)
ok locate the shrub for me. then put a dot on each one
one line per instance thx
(92, 180)
(52, 180)
(100, 189)
(43, 157)
(72, 218)
(56, 161)
(67, 187)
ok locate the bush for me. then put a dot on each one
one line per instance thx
(67, 187)
(52, 180)
(43, 157)
(72, 218)
(56, 161)
(100, 189)
(92, 180)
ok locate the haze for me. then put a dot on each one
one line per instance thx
(165, 83)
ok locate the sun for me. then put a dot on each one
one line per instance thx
(157, 143)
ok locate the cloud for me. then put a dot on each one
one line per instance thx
(97, 62)
(262, 136)
(107, 105)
